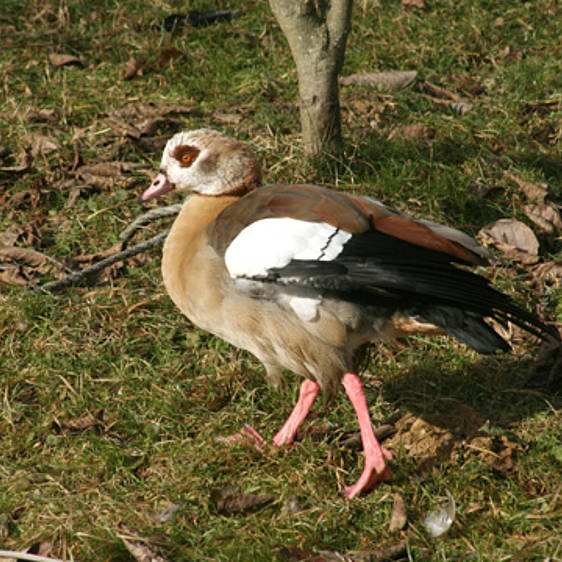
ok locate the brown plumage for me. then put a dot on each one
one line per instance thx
(303, 277)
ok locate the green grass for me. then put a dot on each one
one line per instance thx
(167, 390)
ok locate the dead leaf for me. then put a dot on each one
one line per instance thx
(166, 56)
(513, 238)
(391, 81)
(398, 517)
(21, 266)
(61, 59)
(545, 216)
(43, 116)
(230, 500)
(12, 275)
(509, 53)
(227, 118)
(439, 92)
(133, 69)
(413, 4)
(144, 110)
(544, 106)
(550, 272)
(80, 423)
(140, 551)
(26, 234)
(27, 159)
(413, 133)
(534, 192)
(25, 256)
(42, 144)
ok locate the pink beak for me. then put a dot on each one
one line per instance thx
(159, 185)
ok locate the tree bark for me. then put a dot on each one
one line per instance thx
(317, 31)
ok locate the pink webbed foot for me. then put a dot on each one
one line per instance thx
(248, 435)
(376, 470)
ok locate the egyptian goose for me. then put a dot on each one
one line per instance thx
(302, 276)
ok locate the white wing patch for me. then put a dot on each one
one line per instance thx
(271, 243)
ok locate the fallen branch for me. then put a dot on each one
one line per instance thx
(153, 214)
(25, 556)
(79, 275)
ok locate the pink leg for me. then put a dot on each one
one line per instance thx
(376, 470)
(308, 392)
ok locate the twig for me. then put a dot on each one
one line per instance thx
(26, 556)
(148, 217)
(79, 275)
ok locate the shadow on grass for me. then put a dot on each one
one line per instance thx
(498, 389)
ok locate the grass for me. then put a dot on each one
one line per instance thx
(159, 391)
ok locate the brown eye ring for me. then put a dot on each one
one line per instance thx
(185, 155)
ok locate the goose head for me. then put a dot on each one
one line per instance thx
(207, 162)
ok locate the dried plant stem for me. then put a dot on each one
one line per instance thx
(79, 275)
(26, 556)
(153, 214)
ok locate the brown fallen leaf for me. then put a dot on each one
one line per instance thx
(421, 134)
(545, 216)
(27, 159)
(42, 144)
(166, 56)
(439, 92)
(544, 106)
(140, 551)
(62, 59)
(144, 110)
(398, 517)
(534, 192)
(227, 118)
(230, 500)
(133, 69)
(391, 81)
(12, 275)
(80, 423)
(513, 238)
(25, 234)
(25, 256)
(413, 4)
(548, 272)
(43, 116)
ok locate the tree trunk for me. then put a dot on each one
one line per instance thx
(317, 31)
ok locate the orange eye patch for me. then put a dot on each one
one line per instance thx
(185, 155)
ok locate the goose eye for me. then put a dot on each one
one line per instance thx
(185, 155)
